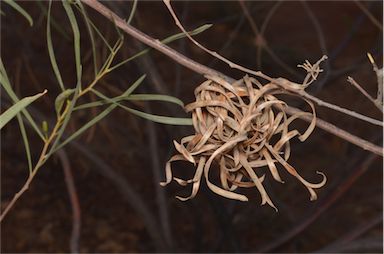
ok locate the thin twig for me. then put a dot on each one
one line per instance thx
(129, 194)
(365, 93)
(144, 38)
(76, 212)
(366, 145)
(183, 60)
(259, 74)
(322, 42)
(340, 109)
(286, 84)
(379, 74)
(42, 159)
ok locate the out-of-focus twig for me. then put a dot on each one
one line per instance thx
(227, 233)
(91, 132)
(317, 26)
(147, 65)
(76, 211)
(365, 245)
(261, 43)
(354, 234)
(230, 38)
(330, 200)
(160, 193)
(369, 15)
(130, 195)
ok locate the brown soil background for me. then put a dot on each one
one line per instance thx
(42, 219)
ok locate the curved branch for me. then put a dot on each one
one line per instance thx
(202, 69)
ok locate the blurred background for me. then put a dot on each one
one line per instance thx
(117, 164)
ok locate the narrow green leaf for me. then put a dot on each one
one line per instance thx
(25, 141)
(120, 34)
(61, 98)
(100, 34)
(134, 5)
(17, 107)
(76, 37)
(134, 85)
(120, 97)
(4, 76)
(51, 51)
(92, 104)
(154, 118)
(165, 41)
(97, 118)
(58, 27)
(7, 86)
(2, 13)
(20, 10)
(133, 97)
(111, 56)
(86, 126)
(178, 36)
(4, 81)
(160, 119)
(91, 36)
(67, 117)
(155, 97)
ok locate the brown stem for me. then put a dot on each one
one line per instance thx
(199, 68)
(338, 132)
(40, 162)
(156, 44)
(76, 212)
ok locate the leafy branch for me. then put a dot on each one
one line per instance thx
(66, 102)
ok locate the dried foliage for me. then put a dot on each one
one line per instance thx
(242, 127)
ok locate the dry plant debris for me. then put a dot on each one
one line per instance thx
(242, 127)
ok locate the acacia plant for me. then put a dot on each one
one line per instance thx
(241, 125)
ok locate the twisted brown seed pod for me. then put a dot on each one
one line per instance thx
(242, 127)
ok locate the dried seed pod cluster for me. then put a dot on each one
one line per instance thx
(241, 127)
